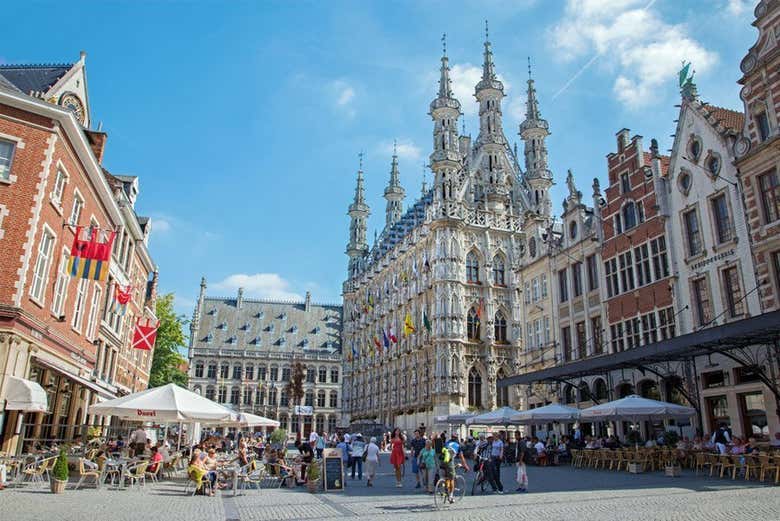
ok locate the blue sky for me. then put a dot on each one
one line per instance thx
(243, 120)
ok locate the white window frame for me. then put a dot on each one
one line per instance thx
(8, 177)
(58, 189)
(60, 295)
(40, 275)
(544, 285)
(93, 312)
(78, 202)
(79, 305)
(3, 214)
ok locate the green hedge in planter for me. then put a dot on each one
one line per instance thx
(60, 470)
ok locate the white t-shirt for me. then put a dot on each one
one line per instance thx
(372, 452)
(539, 447)
(313, 437)
(139, 436)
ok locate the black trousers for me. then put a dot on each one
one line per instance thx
(495, 473)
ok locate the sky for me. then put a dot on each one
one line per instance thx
(244, 120)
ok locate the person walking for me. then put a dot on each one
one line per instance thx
(320, 446)
(496, 457)
(522, 470)
(138, 441)
(372, 461)
(358, 447)
(397, 455)
(345, 454)
(427, 466)
(418, 444)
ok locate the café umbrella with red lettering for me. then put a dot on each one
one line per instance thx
(168, 403)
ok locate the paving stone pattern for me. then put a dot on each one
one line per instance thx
(556, 493)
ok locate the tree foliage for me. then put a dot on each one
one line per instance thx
(166, 361)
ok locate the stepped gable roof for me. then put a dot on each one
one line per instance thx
(260, 324)
(35, 77)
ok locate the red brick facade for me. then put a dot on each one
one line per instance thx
(758, 156)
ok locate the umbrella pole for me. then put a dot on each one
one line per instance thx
(178, 444)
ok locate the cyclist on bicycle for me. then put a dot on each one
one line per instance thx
(449, 453)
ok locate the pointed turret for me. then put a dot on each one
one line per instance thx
(534, 130)
(196, 314)
(394, 193)
(489, 93)
(357, 248)
(445, 110)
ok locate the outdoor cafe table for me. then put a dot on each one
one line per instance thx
(231, 471)
(119, 465)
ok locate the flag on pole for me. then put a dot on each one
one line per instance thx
(408, 325)
(121, 299)
(385, 339)
(480, 308)
(145, 335)
(426, 321)
(393, 336)
(354, 350)
(378, 344)
(90, 253)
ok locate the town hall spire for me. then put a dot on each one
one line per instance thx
(534, 130)
(445, 110)
(357, 248)
(394, 193)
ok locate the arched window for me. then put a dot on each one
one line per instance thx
(584, 392)
(197, 389)
(502, 393)
(272, 397)
(260, 396)
(568, 394)
(649, 389)
(625, 389)
(499, 278)
(472, 325)
(475, 388)
(234, 393)
(309, 397)
(499, 326)
(222, 394)
(212, 371)
(210, 393)
(224, 369)
(320, 398)
(600, 390)
(629, 215)
(472, 268)
(198, 369)
(672, 386)
(284, 399)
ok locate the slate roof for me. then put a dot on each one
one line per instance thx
(7, 85)
(268, 325)
(29, 78)
(413, 216)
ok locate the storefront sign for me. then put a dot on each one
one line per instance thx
(712, 259)
(141, 412)
(333, 469)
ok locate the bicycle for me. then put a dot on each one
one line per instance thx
(449, 490)
(481, 478)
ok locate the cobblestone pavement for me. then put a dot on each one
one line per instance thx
(556, 493)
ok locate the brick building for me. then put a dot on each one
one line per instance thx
(55, 330)
(757, 154)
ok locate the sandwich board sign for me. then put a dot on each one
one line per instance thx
(333, 469)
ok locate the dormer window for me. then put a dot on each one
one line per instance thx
(294, 329)
(713, 164)
(282, 341)
(270, 328)
(209, 338)
(213, 311)
(305, 342)
(762, 124)
(259, 314)
(316, 330)
(694, 149)
(231, 340)
(283, 316)
(573, 230)
(223, 326)
(625, 183)
(257, 341)
(246, 327)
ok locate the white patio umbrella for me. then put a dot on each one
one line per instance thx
(501, 416)
(245, 419)
(554, 412)
(168, 403)
(636, 408)
(459, 419)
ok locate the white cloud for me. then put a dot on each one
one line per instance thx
(260, 285)
(464, 80)
(161, 225)
(343, 96)
(405, 148)
(738, 7)
(632, 41)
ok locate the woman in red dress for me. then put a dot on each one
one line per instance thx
(398, 455)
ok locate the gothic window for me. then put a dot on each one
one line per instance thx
(472, 325)
(532, 247)
(498, 271)
(502, 393)
(600, 390)
(500, 328)
(472, 268)
(475, 388)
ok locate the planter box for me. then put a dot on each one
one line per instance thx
(673, 471)
(635, 468)
(313, 486)
(57, 486)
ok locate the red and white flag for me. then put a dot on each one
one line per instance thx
(145, 335)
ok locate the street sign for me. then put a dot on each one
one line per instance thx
(304, 410)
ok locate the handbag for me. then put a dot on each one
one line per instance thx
(365, 456)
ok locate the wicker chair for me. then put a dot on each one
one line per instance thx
(196, 484)
(767, 465)
(752, 464)
(85, 473)
(38, 473)
(136, 474)
(728, 462)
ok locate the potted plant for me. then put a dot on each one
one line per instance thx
(313, 477)
(59, 474)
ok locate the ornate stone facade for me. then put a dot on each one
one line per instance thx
(433, 312)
